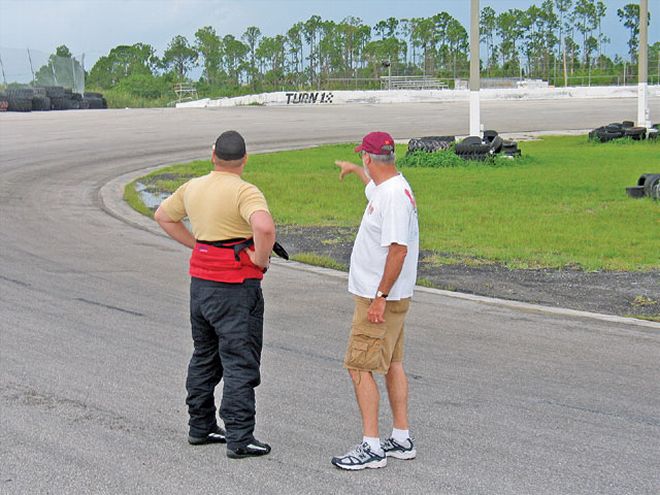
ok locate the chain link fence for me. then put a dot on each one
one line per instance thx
(32, 68)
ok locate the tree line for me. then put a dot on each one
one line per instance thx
(542, 41)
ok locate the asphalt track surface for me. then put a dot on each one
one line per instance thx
(94, 338)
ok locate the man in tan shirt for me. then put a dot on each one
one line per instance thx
(232, 236)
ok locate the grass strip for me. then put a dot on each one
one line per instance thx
(563, 205)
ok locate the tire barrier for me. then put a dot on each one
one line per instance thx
(617, 130)
(647, 185)
(431, 143)
(40, 103)
(49, 98)
(4, 102)
(476, 148)
(470, 148)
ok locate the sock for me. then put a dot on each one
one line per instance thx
(400, 435)
(374, 444)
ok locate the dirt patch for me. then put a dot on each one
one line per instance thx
(617, 293)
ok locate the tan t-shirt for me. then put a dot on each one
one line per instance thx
(218, 205)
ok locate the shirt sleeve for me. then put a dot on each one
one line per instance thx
(369, 189)
(251, 199)
(396, 215)
(174, 205)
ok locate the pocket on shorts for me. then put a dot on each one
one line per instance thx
(400, 306)
(365, 349)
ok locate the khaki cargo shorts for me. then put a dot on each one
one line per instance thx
(373, 346)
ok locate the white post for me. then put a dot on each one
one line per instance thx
(475, 116)
(643, 112)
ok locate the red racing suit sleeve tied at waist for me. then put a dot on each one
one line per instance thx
(220, 262)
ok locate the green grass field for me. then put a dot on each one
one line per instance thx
(562, 205)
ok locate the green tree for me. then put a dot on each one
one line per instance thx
(209, 46)
(311, 31)
(235, 52)
(511, 30)
(251, 38)
(487, 24)
(121, 62)
(180, 57)
(387, 28)
(629, 15)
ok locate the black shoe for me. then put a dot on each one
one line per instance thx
(217, 435)
(253, 449)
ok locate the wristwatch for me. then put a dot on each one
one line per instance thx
(381, 294)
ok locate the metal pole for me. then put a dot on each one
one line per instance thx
(389, 76)
(31, 68)
(643, 113)
(2, 66)
(475, 116)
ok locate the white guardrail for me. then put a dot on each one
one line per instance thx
(293, 98)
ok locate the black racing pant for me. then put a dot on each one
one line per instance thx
(227, 331)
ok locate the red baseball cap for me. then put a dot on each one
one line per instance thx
(378, 143)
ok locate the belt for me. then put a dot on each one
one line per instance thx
(239, 244)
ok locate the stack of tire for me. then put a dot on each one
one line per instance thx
(60, 98)
(19, 99)
(477, 148)
(617, 130)
(647, 185)
(431, 143)
(48, 98)
(93, 101)
(40, 100)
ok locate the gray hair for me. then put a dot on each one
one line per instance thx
(386, 159)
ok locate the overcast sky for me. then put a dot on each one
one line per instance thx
(94, 27)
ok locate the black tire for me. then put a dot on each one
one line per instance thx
(652, 188)
(94, 103)
(637, 133)
(644, 177)
(627, 123)
(20, 93)
(510, 148)
(40, 103)
(490, 135)
(635, 191)
(104, 102)
(496, 144)
(84, 104)
(615, 125)
(90, 94)
(4, 102)
(605, 136)
(647, 181)
(468, 149)
(39, 91)
(472, 140)
(61, 103)
(54, 91)
(652, 134)
(593, 135)
(430, 143)
(77, 97)
(19, 104)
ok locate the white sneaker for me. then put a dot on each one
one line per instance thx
(361, 457)
(397, 450)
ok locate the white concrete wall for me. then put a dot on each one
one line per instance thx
(294, 98)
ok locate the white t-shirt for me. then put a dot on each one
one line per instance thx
(390, 217)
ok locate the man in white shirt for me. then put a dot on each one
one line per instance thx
(382, 277)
